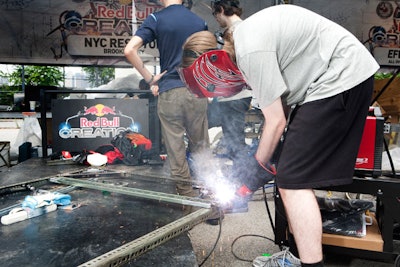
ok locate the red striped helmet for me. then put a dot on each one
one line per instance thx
(213, 74)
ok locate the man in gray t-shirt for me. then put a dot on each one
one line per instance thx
(291, 56)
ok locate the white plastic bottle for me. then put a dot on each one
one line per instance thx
(21, 214)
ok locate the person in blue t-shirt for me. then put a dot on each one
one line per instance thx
(181, 113)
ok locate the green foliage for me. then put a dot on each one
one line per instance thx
(35, 75)
(99, 75)
(384, 75)
(381, 75)
(7, 94)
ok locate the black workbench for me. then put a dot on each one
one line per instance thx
(104, 222)
(386, 191)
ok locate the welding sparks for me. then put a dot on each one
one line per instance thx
(219, 188)
(217, 183)
(224, 192)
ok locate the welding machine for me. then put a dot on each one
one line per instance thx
(369, 158)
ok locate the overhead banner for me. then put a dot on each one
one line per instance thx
(95, 32)
(72, 32)
(84, 32)
(384, 35)
(375, 23)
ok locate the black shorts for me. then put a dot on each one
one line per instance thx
(321, 145)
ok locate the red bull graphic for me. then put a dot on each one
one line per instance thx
(94, 122)
(99, 110)
(79, 124)
(102, 28)
(384, 37)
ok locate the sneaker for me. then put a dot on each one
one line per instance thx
(279, 259)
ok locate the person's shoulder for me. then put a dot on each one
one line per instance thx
(172, 10)
(178, 13)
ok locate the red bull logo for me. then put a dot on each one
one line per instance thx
(99, 110)
(106, 123)
(99, 122)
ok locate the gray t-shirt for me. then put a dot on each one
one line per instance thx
(290, 52)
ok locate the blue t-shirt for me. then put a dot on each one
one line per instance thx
(170, 27)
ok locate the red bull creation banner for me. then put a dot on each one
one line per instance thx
(95, 32)
(84, 32)
(375, 23)
(71, 32)
(384, 35)
(87, 124)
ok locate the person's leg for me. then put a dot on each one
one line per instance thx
(319, 150)
(195, 122)
(171, 118)
(233, 124)
(304, 217)
(213, 114)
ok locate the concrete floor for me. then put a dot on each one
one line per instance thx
(245, 236)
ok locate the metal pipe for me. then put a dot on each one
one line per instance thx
(147, 194)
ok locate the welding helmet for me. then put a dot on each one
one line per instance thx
(213, 74)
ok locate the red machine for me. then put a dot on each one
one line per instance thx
(369, 158)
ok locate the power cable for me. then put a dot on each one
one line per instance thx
(216, 241)
(267, 206)
(254, 235)
(247, 235)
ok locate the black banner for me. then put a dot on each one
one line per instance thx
(89, 123)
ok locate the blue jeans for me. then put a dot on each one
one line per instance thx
(230, 115)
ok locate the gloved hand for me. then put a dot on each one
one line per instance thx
(254, 174)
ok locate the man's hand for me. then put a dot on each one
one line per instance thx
(255, 174)
(154, 90)
(154, 83)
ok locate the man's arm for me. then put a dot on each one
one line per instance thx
(274, 125)
(131, 53)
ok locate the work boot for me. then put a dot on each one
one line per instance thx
(217, 215)
(216, 218)
(188, 192)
